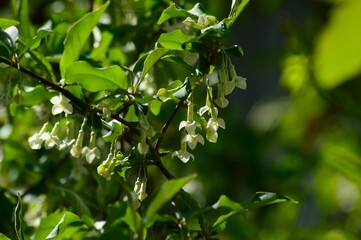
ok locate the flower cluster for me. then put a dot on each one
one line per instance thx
(208, 114)
(51, 139)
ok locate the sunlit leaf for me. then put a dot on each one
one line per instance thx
(337, 57)
(115, 131)
(174, 39)
(60, 225)
(155, 106)
(173, 11)
(236, 8)
(3, 237)
(5, 23)
(25, 26)
(77, 37)
(165, 193)
(261, 199)
(151, 59)
(96, 79)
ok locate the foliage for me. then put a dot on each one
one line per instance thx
(91, 99)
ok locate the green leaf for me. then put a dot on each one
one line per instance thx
(165, 193)
(7, 42)
(116, 130)
(261, 199)
(77, 37)
(25, 26)
(174, 39)
(337, 57)
(18, 219)
(43, 63)
(34, 96)
(151, 59)
(180, 61)
(155, 106)
(131, 115)
(3, 237)
(96, 79)
(60, 225)
(5, 23)
(173, 11)
(42, 32)
(235, 50)
(225, 202)
(131, 218)
(236, 8)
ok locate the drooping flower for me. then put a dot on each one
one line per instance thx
(51, 139)
(36, 141)
(76, 149)
(212, 127)
(183, 154)
(193, 139)
(190, 127)
(140, 188)
(221, 101)
(103, 169)
(91, 152)
(61, 104)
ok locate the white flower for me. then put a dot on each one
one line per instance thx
(214, 123)
(51, 139)
(36, 141)
(212, 128)
(61, 104)
(14, 35)
(90, 154)
(76, 150)
(183, 155)
(140, 188)
(193, 139)
(190, 127)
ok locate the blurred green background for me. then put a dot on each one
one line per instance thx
(296, 130)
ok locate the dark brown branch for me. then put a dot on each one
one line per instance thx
(167, 124)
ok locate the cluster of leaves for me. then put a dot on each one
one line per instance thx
(123, 103)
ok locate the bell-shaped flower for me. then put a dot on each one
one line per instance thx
(183, 154)
(51, 139)
(76, 149)
(106, 168)
(193, 139)
(61, 104)
(212, 128)
(190, 127)
(90, 153)
(240, 82)
(221, 101)
(36, 141)
(214, 123)
(140, 188)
